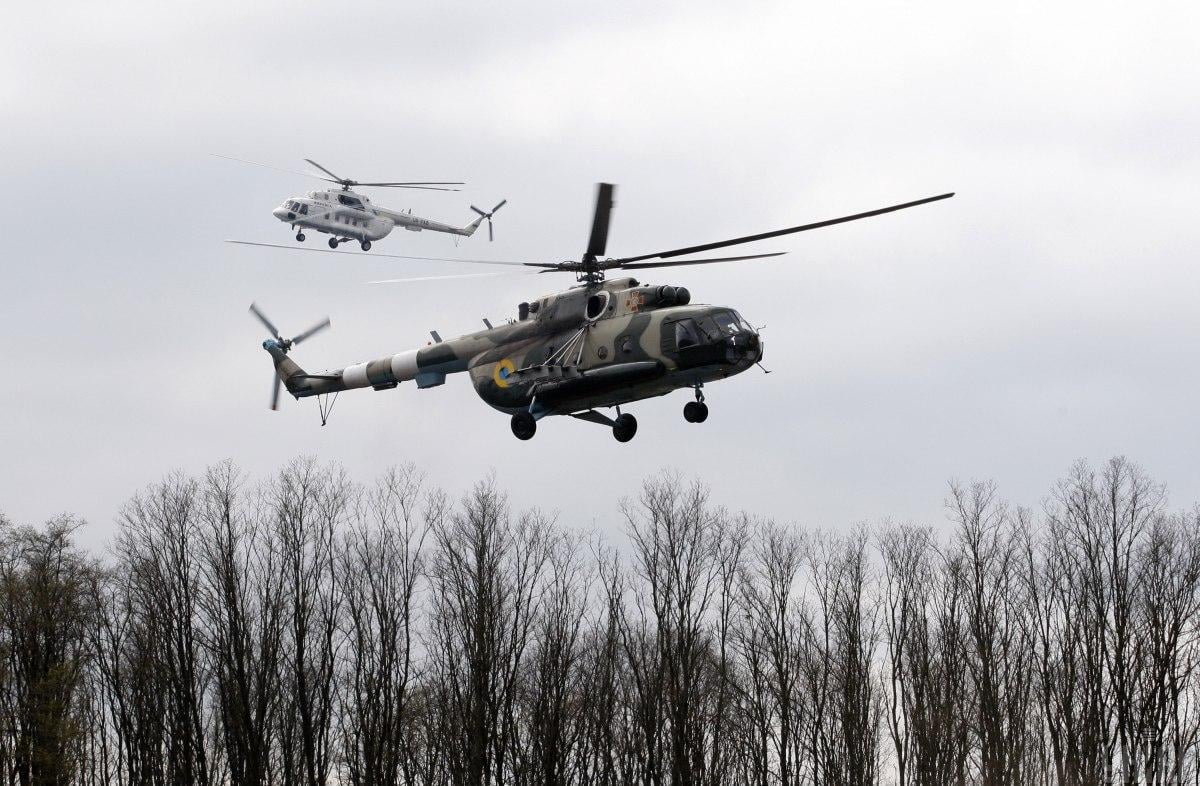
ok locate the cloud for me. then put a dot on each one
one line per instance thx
(1043, 314)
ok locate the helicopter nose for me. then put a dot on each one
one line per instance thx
(283, 214)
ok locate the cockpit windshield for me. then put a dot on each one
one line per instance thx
(728, 323)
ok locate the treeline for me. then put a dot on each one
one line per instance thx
(308, 630)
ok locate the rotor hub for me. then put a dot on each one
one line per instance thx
(282, 344)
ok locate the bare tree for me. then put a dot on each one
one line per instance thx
(485, 581)
(44, 613)
(606, 705)
(685, 556)
(1168, 567)
(308, 631)
(242, 603)
(307, 505)
(927, 670)
(988, 543)
(552, 712)
(379, 569)
(771, 642)
(844, 737)
(147, 644)
(8, 686)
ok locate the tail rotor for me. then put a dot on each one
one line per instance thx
(487, 214)
(278, 347)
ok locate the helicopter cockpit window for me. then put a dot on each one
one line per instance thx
(304, 210)
(686, 334)
(349, 201)
(727, 322)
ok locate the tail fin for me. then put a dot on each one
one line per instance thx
(470, 228)
(288, 370)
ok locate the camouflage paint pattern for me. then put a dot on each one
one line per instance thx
(590, 346)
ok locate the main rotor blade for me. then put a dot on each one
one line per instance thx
(802, 228)
(268, 166)
(317, 328)
(376, 255)
(604, 205)
(399, 185)
(447, 278)
(275, 394)
(254, 309)
(672, 263)
(326, 171)
(419, 183)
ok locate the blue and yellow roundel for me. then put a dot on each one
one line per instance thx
(503, 369)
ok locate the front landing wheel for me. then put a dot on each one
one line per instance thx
(333, 243)
(625, 427)
(366, 245)
(523, 425)
(695, 412)
(299, 237)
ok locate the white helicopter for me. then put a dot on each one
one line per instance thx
(347, 215)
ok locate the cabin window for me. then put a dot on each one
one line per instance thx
(304, 210)
(686, 334)
(349, 201)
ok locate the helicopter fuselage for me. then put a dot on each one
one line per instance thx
(589, 347)
(347, 214)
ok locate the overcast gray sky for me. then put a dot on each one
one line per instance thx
(1044, 314)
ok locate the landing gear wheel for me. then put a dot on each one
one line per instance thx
(695, 412)
(365, 245)
(524, 426)
(625, 427)
(333, 242)
(299, 237)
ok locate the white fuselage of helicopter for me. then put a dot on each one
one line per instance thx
(346, 214)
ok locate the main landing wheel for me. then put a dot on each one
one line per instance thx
(299, 237)
(695, 412)
(625, 427)
(366, 245)
(333, 242)
(524, 426)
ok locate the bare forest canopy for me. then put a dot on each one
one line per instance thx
(308, 630)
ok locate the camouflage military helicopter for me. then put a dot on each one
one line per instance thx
(600, 344)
